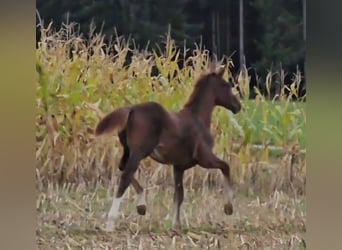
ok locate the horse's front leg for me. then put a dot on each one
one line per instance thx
(178, 197)
(207, 159)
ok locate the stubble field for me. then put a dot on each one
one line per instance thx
(265, 144)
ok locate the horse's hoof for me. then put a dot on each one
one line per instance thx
(141, 209)
(228, 208)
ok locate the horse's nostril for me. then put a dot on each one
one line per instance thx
(238, 108)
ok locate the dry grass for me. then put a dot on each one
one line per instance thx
(70, 217)
(79, 81)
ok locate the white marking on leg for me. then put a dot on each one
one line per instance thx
(228, 191)
(114, 210)
(113, 213)
(175, 221)
(141, 199)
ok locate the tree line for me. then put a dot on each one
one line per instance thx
(263, 35)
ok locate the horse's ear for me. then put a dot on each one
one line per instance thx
(212, 66)
(220, 71)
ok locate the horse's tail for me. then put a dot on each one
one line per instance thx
(113, 122)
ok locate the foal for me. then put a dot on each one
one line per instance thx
(180, 139)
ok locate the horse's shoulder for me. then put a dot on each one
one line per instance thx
(203, 132)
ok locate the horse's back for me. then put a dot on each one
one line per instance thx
(150, 112)
(147, 121)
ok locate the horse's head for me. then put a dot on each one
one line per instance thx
(223, 92)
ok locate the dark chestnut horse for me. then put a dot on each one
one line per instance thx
(181, 139)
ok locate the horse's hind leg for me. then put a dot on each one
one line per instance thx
(142, 136)
(132, 165)
(141, 202)
(125, 155)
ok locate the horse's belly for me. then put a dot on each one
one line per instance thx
(157, 156)
(171, 154)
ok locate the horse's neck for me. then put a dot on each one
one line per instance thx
(201, 110)
(205, 115)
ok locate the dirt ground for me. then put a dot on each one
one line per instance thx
(71, 217)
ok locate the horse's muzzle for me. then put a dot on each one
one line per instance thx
(236, 108)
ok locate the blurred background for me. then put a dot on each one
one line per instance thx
(266, 36)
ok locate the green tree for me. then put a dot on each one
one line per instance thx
(281, 44)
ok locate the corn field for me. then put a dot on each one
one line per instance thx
(79, 81)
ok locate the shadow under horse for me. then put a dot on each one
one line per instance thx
(181, 139)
